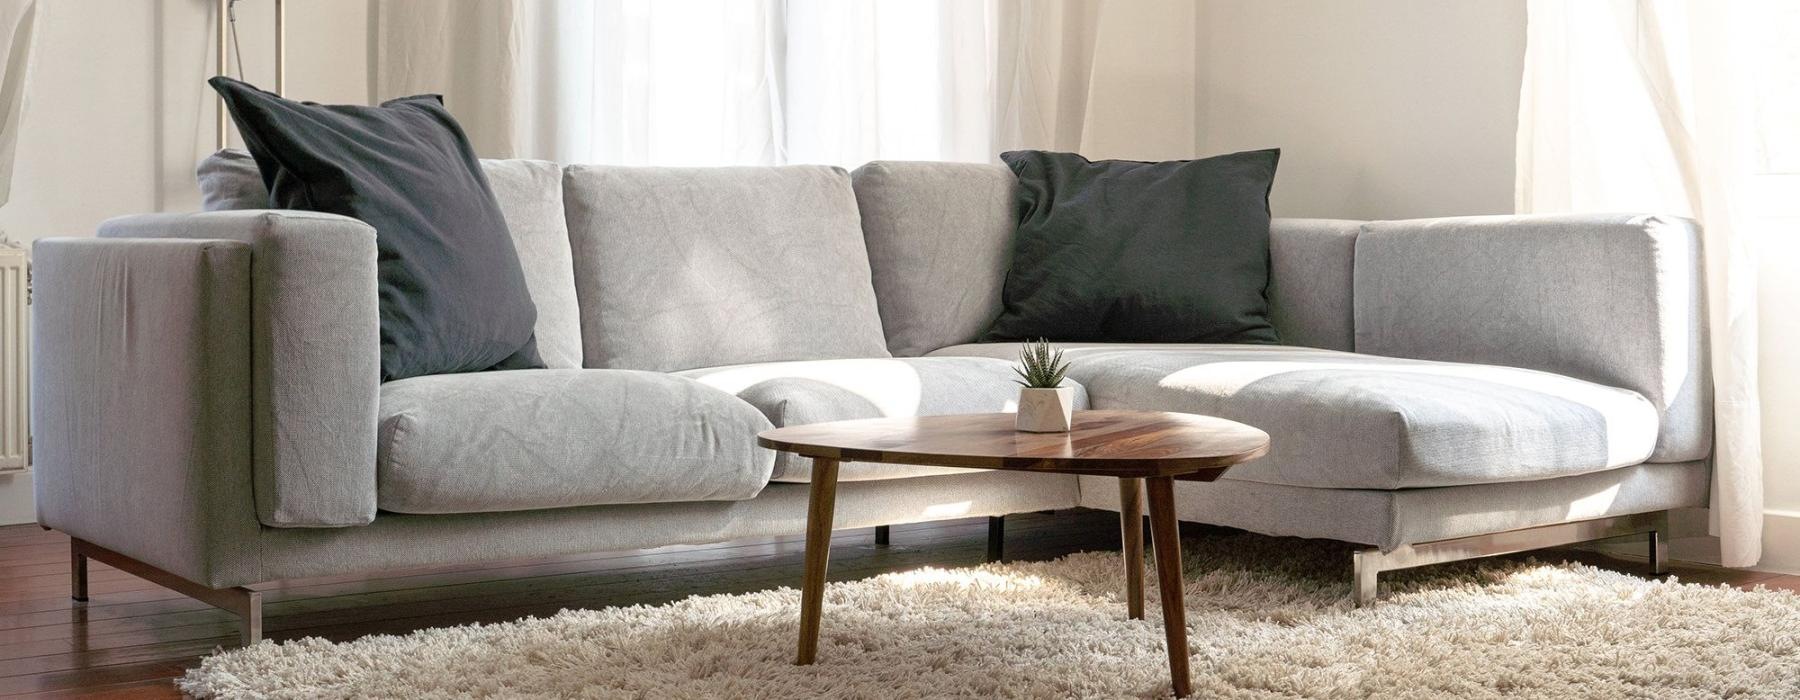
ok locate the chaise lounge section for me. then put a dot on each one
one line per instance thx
(208, 412)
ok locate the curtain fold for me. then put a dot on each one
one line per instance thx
(756, 82)
(1647, 105)
(18, 21)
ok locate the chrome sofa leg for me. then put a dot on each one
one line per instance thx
(240, 601)
(1367, 565)
(996, 545)
(1659, 552)
(250, 620)
(1372, 561)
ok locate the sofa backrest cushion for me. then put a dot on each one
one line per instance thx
(1614, 299)
(1312, 263)
(530, 197)
(939, 238)
(679, 268)
(940, 243)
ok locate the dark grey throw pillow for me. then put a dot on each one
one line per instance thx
(1129, 251)
(452, 294)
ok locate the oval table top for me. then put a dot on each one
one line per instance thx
(1102, 443)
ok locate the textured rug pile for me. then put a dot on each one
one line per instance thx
(1268, 618)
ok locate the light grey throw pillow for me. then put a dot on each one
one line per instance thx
(229, 180)
(679, 268)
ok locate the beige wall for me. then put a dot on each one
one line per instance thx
(118, 112)
(1383, 109)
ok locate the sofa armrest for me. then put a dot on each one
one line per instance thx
(314, 356)
(1612, 299)
(141, 371)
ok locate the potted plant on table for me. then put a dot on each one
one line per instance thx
(1045, 405)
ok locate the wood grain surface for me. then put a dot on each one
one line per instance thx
(1100, 443)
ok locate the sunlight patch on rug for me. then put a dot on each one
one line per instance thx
(1268, 617)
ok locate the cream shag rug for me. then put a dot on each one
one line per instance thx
(1267, 618)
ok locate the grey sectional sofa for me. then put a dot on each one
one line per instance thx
(208, 414)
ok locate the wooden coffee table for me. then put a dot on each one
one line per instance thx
(1138, 447)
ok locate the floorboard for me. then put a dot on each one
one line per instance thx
(134, 636)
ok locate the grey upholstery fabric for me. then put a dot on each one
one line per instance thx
(523, 439)
(1343, 420)
(396, 541)
(229, 179)
(141, 399)
(800, 393)
(530, 197)
(1612, 299)
(314, 349)
(1388, 519)
(1309, 290)
(940, 241)
(680, 268)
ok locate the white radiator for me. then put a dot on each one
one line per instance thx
(15, 349)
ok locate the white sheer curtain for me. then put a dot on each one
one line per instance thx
(722, 82)
(18, 19)
(1665, 106)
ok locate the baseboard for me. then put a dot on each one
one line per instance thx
(1781, 542)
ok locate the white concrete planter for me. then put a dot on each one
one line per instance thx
(1046, 410)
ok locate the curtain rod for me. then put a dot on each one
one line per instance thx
(224, 12)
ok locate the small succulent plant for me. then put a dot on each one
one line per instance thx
(1040, 366)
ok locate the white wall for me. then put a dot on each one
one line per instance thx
(118, 112)
(1383, 109)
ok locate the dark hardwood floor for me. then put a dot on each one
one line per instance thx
(134, 636)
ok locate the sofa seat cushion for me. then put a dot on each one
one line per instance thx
(1344, 420)
(801, 393)
(520, 440)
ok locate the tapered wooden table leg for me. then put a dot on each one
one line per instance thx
(1131, 532)
(1132, 444)
(819, 512)
(1165, 536)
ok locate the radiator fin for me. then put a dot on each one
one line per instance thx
(15, 351)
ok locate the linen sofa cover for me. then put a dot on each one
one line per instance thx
(525, 439)
(314, 345)
(1388, 519)
(397, 540)
(530, 196)
(801, 393)
(1345, 420)
(142, 373)
(1609, 298)
(679, 268)
(1312, 267)
(940, 244)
